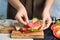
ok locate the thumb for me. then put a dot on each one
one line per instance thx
(43, 25)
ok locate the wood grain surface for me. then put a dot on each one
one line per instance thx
(18, 34)
(7, 30)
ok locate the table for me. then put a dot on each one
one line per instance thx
(7, 37)
(48, 36)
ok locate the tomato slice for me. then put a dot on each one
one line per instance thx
(30, 25)
(26, 30)
(37, 23)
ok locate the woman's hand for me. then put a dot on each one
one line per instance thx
(21, 16)
(46, 20)
(46, 15)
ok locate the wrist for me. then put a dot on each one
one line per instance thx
(46, 11)
(20, 8)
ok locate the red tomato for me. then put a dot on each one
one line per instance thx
(26, 30)
(30, 25)
(37, 23)
(56, 33)
(56, 30)
(54, 27)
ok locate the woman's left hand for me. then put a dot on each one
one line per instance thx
(46, 20)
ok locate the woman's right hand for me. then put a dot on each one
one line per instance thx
(21, 16)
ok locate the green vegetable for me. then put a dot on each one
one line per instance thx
(57, 22)
(32, 29)
(34, 19)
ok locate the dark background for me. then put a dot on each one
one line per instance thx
(33, 7)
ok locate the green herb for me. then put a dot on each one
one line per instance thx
(57, 22)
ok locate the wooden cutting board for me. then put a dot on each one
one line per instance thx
(18, 34)
(7, 30)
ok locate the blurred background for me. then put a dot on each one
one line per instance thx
(33, 8)
(3, 9)
(55, 10)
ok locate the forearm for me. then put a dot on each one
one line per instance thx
(48, 5)
(16, 4)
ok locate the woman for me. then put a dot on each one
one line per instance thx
(21, 12)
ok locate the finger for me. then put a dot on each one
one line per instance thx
(21, 21)
(47, 25)
(43, 25)
(26, 18)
